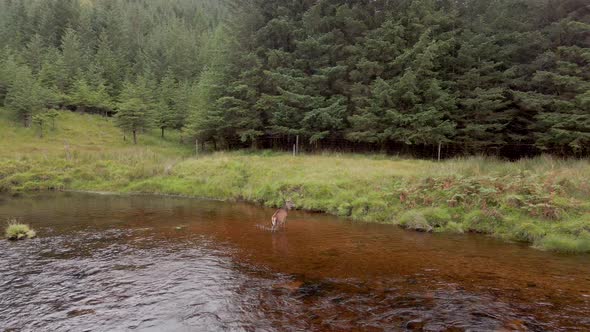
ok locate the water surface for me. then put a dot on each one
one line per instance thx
(120, 263)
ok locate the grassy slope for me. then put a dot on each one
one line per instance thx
(544, 201)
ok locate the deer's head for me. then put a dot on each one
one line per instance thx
(289, 205)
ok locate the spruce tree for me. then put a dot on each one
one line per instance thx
(85, 97)
(135, 108)
(72, 55)
(25, 96)
(165, 116)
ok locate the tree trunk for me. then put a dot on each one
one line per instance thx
(162, 132)
(134, 136)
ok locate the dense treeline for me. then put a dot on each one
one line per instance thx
(139, 59)
(477, 74)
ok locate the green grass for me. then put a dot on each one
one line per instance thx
(566, 244)
(17, 231)
(544, 201)
(81, 133)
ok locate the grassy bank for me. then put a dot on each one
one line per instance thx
(544, 201)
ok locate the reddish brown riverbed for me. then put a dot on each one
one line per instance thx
(105, 263)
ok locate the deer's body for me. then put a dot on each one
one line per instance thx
(280, 216)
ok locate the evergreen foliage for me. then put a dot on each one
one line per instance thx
(475, 74)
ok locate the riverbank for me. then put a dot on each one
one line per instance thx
(544, 201)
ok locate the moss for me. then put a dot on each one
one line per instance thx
(17, 231)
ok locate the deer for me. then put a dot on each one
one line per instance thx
(280, 216)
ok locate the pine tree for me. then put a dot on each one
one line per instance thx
(165, 116)
(134, 111)
(86, 97)
(414, 108)
(25, 96)
(182, 104)
(8, 69)
(563, 97)
(72, 56)
(34, 53)
(53, 74)
(482, 93)
(204, 118)
(108, 65)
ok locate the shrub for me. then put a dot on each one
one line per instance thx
(17, 231)
(436, 217)
(527, 231)
(415, 220)
(483, 221)
(453, 227)
(544, 210)
(515, 201)
(344, 209)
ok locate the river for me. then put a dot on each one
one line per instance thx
(149, 263)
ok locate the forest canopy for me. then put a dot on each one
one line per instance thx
(475, 74)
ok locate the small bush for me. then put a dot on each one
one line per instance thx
(344, 209)
(528, 232)
(437, 217)
(483, 221)
(17, 231)
(415, 220)
(544, 210)
(515, 201)
(453, 227)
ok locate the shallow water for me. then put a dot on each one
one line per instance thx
(120, 263)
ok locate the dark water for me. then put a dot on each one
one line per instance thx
(115, 263)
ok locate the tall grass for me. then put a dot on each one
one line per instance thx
(528, 200)
(17, 231)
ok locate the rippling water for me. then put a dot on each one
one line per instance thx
(118, 263)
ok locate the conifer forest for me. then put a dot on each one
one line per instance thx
(506, 76)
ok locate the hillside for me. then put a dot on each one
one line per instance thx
(543, 201)
(84, 133)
